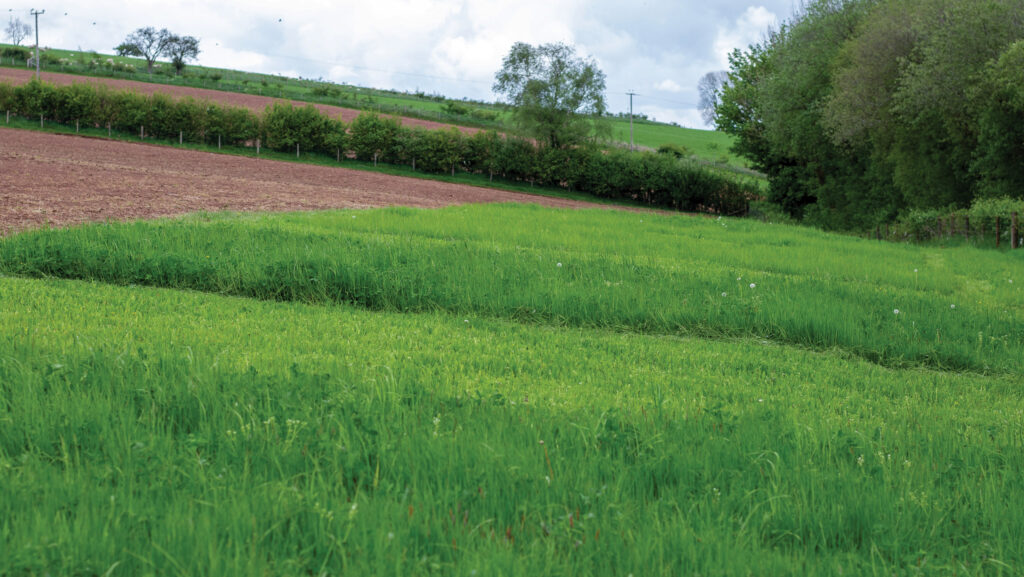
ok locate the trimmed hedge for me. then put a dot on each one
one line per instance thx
(656, 179)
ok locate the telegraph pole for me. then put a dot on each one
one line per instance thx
(631, 95)
(36, 13)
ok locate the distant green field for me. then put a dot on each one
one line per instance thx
(708, 145)
(506, 390)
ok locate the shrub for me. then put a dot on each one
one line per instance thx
(373, 137)
(285, 126)
(454, 108)
(16, 53)
(676, 150)
(484, 114)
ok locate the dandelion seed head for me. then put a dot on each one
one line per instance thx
(753, 285)
(952, 306)
(559, 265)
(725, 295)
(895, 311)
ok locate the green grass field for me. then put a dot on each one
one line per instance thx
(506, 390)
(705, 144)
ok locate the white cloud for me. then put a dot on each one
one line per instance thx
(668, 86)
(749, 28)
(685, 117)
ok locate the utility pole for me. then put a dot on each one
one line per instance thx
(36, 13)
(631, 95)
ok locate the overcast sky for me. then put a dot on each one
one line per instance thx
(656, 48)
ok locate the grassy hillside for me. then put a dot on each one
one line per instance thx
(708, 145)
(507, 391)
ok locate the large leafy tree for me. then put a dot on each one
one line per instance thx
(181, 49)
(558, 96)
(150, 44)
(147, 43)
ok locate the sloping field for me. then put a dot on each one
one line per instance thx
(506, 390)
(58, 180)
(250, 101)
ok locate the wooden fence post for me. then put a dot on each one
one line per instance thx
(967, 227)
(1014, 232)
(952, 225)
(938, 226)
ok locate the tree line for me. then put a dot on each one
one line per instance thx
(860, 111)
(655, 179)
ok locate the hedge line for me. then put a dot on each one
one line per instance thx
(658, 180)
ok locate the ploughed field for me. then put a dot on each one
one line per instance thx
(56, 180)
(484, 389)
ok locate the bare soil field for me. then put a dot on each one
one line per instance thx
(251, 101)
(58, 180)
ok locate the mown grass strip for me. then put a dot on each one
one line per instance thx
(637, 272)
(159, 431)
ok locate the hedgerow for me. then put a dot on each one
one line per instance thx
(655, 179)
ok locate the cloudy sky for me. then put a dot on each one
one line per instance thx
(656, 48)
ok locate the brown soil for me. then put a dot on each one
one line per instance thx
(57, 180)
(251, 101)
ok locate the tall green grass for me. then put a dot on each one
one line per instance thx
(155, 432)
(643, 272)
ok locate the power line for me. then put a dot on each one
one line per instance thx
(36, 13)
(631, 95)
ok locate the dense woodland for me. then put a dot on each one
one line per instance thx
(863, 111)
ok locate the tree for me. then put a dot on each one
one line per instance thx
(710, 88)
(180, 49)
(145, 43)
(16, 31)
(558, 96)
